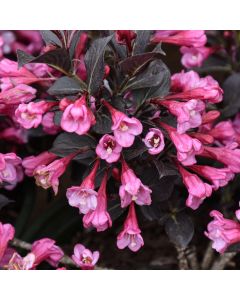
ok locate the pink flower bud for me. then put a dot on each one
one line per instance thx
(84, 196)
(125, 37)
(189, 38)
(6, 234)
(130, 236)
(223, 232)
(49, 125)
(108, 149)
(84, 258)
(194, 57)
(132, 189)
(224, 132)
(77, 117)
(30, 115)
(30, 163)
(99, 218)
(20, 94)
(124, 128)
(154, 141)
(10, 168)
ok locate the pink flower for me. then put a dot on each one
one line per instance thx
(223, 232)
(202, 137)
(49, 125)
(124, 128)
(188, 85)
(208, 119)
(39, 70)
(197, 189)
(125, 37)
(218, 177)
(6, 234)
(224, 132)
(188, 113)
(108, 149)
(48, 175)
(84, 258)
(77, 117)
(187, 147)
(189, 38)
(10, 169)
(19, 94)
(154, 141)
(15, 135)
(130, 236)
(99, 218)
(30, 115)
(194, 57)
(132, 189)
(84, 196)
(229, 157)
(30, 163)
(46, 250)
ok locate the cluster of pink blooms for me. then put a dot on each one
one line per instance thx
(188, 101)
(41, 250)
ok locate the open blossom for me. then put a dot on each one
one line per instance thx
(10, 168)
(218, 177)
(229, 157)
(21, 93)
(130, 236)
(194, 56)
(48, 175)
(7, 232)
(108, 148)
(78, 117)
(189, 114)
(30, 115)
(154, 141)
(188, 85)
(189, 38)
(125, 37)
(224, 132)
(84, 258)
(197, 189)
(132, 189)
(187, 147)
(124, 128)
(99, 218)
(30, 163)
(223, 232)
(84, 196)
(48, 124)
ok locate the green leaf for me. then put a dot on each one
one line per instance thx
(4, 201)
(67, 143)
(94, 60)
(58, 59)
(180, 229)
(103, 124)
(142, 40)
(66, 86)
(50, 38)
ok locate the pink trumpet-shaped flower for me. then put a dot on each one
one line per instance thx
(188, 85)
(84, 258)
(125, 37)
(21, 93)
(189, 38)
(30, 115)
(78, 117)
(223, 232)
(224, 132)
(187, 147)
(30, 163)
(124, 128)
(218, 177)
(132, 189)
(6, 234)
(194, 56)
(197, 189)
(99, 218)
(188, 113)
(130, 236)
(48, 175)
(10, 165)
(229, 157)
(84, 196)
(108, 149)
(154, 141)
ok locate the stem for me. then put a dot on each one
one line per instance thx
(182, 259)
(192, 258)
(223, 261)
(208, 257)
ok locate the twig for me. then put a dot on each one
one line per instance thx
(182, 259)
(208, 257)
(224, 259)
(191, 255)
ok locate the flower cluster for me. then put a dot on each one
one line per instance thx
(114, 111)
